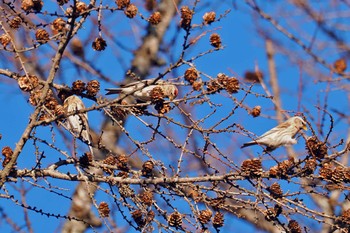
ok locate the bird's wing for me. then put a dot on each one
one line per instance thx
(276, 129)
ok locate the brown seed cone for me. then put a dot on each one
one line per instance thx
(118, 113)
(28, 83)
(125, 191)
(157, 94)
(69, 11)
(197, 85)
(213, 86)
(78, 86)
(175, 219)
(122, 162)
(81, 7)
(35, 97)
(205, 216)
(316, 148)
(186, 17)
(274, 171)
(162, 108)
(347, 174)
(15, 23)
(286, 166)
(310, 166)
(92, 87)
(275, 190)
(131, 11)
(99, 44)
(272, 214)
(109, 160)
(215, 40)
(256, 111)
(138, 218)
(326, 171)
(147, 168)
(122, 3)
(103, 209)
(186, 13)
(250, 76)
(28, 5)
(155, 18)
(42, 36)
(252, 167)
(338, 174)
(59, 110)
(58, 24)
(232, 85)
(5, 40)
(62, 2)
(282, 169)
(294, 227)
(7, 151)
(209, 17)
(340, 65)
(150, 216)
(191, 75)
(51, 103)
(146, 198)
(345, 216)
(222, 79)
(218, 220)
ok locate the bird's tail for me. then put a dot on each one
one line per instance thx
(112, 91)
(248, 144)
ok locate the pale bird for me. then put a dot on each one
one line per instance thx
(78, 124)
(141, 90)
(283, 134)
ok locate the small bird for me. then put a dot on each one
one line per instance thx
(281, 135)
(141, 90)
(78, 123)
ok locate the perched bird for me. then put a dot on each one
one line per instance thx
(281, 135)
(141, 90)
(78, 123)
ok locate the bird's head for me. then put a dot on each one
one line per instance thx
(172, 91)
(299, 122)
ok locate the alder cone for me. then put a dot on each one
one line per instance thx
(175, 219)
(205, 216)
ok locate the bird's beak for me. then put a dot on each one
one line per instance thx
(305, 128)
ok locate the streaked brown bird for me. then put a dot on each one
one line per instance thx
(141, 90)
(78, 123)
(281, 135)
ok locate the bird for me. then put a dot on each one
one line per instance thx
(78, 123)
(281, 135)
(141, 90)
